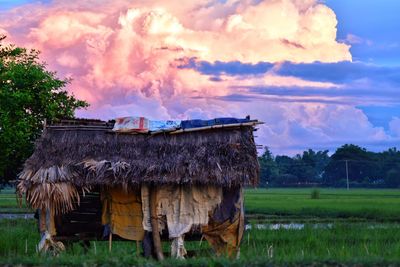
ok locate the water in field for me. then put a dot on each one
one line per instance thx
(16, 216)
(286, 226)
(256, 226)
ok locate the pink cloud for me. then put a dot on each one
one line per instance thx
(124, 59)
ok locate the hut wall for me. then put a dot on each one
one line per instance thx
(84, 222)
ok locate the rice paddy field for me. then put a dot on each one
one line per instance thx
(284, 227)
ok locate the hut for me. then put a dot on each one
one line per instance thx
(89, 180)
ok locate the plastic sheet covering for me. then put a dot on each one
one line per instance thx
(131, 124)
(122, 211)
(182, 206)
(163, 126)
(203, 123)
(225, 236)
(144, 125)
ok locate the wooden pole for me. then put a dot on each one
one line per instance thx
(137, 248)
(109, 241)
(347, 175)
(154, 224)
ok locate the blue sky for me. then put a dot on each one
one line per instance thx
(376, 23)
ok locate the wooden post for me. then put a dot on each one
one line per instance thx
(347, 174)
(154, 223)
(109, 241)
(137, 248)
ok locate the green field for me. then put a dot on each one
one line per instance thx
(333, 204)
(356, 227)
(9, 203)
(341, 243)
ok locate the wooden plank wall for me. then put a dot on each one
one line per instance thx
(83, 222)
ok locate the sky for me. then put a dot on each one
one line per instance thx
(318, 73)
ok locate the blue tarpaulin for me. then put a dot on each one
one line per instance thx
(203, 123)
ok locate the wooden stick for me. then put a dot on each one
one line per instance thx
(154, 224)
(137, 248)
(109, 241)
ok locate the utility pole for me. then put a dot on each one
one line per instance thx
(347, 174)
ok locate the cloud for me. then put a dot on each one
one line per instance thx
(356, 40)
(394, 126)
(292, 127)
(113, 50)
(185, 59)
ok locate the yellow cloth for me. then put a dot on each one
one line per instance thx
(122, 210)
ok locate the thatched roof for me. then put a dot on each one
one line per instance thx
(93, 155)
(84, 153)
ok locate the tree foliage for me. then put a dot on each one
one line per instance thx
(317, 168)
(29, 95)
(268, 168)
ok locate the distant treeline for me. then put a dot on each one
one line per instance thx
(316, 168)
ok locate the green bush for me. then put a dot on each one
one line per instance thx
(315, 194)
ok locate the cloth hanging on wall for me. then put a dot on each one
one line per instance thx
(182, 206)
(122, 212)
(225, 228)
(178, 250)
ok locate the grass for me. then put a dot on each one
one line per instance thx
(342, 243)
(9, 204)
(363, 230)
(366, 204)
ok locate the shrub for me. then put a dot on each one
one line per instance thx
(315, 194)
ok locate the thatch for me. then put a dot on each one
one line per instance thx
(59, 197)
(90, 155)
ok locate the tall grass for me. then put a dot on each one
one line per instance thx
(341, 243)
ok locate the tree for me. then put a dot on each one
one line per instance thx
(316, 163)
(29, 95)
(268, 168)
(389, 162)
(301, 169)
(287, 171)
(361, 166)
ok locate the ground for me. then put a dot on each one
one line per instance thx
(356, 227)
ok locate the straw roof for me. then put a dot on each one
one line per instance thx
(87, 153)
